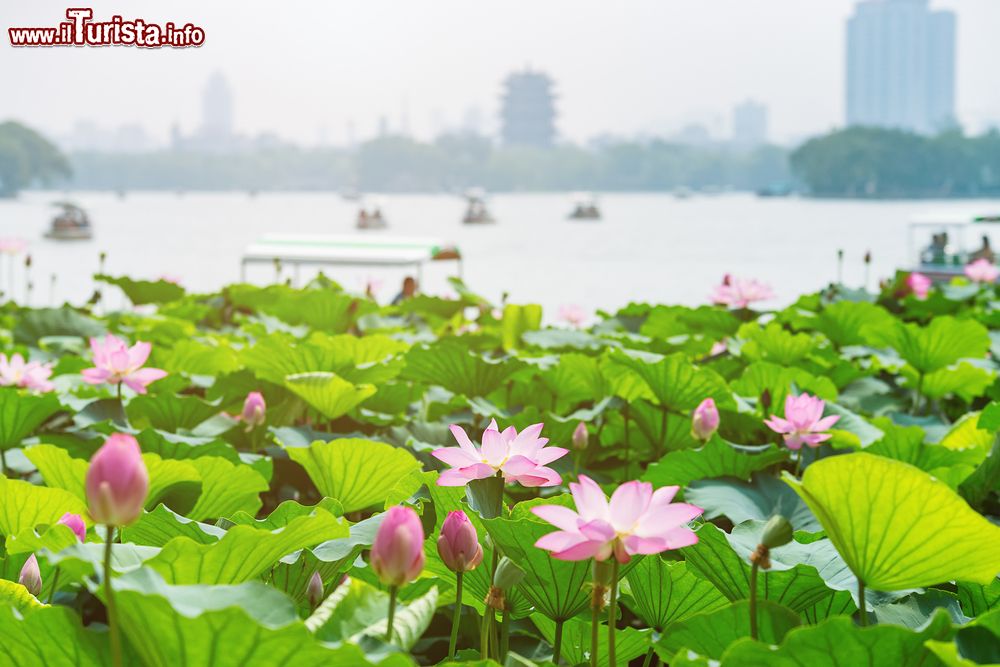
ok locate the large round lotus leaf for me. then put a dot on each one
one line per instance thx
(896, 526)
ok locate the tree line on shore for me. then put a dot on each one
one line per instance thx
(855, 162)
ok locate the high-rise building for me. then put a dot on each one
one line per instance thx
(901, 66)
(749, 124)
(217, 112)
(528, 110)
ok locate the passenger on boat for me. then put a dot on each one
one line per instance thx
(408, 290)
(985, 252)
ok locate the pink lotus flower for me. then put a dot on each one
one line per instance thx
(115, 362)
(982, 271)
(740, 293)
(458, 544)
(718, 348)
(572, 314)
(254, 410)
(30, 576)
(638, 520)
(705, 420)
(12, 246)
(117, 481)
(581, 437)
(33, 375)
(804, 422)
(520, 457)
(76, 524)
(919, 285)
(397, 554)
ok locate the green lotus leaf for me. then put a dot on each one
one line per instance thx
(896, 526)
(24, 506)
(760, 499)
(778, 381)
(575, 378)
(709, 633)
(906, 443)
(161, 525)
(21, 413)
(169, 412)
(34, 325)
(629, 642)
(357, 609)
(967, 434)
(556, 588)
(225, 488)
(142, 292)
(358, 473)
(329, 394)
(194, 357)
(674, 382)
(456, 368)
(661, 592)
(669, 321)
(843, 322)
(516, 321)
(717, 458)
(50, 636)
(54, 538)
(371, 359)
(964, 380)
(799, 587)
(243, 552)
(320, 309)
(978, 599)
(838, 642)
(935, 346)
(773, 343)
(218, 626)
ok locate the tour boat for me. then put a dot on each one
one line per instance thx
(72, 224)
(585, 207)
(476, 212)
(944, 243)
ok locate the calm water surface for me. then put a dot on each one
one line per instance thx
(648, 247)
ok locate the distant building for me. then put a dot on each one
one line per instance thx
(692, 134)
(217, 109)
(528, 110)
(901, 66)
(749, 124)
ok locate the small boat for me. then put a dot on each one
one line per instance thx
(585, 208)
(775, 190)
(955, 239)
(350, 193)
(476, 212)
(72, 224)
(373, 220)
(682, 192)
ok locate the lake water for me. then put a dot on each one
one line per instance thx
(648, 247)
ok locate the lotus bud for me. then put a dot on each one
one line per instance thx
(254, 410)
(458, 544)
(397, 554)
(314, 591)
(75, 523)
(777, 532)
(580, 437)
(705, 420)
(30, 577)
(117, 482)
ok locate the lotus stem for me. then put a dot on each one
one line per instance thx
(55, 584)
(649, 657)
(453, 644)
(628, 449)
(613, 612)
(504, 633)
(119, 392)
(595, 622)
(753, 598)
(557, 646)
(862, 610)
(109, 602)
(393, 592)
(484, 636)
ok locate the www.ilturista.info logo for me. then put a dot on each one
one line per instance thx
(81, 30)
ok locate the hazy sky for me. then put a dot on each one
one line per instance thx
(627, 66)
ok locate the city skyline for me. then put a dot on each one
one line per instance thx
(648, 75)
